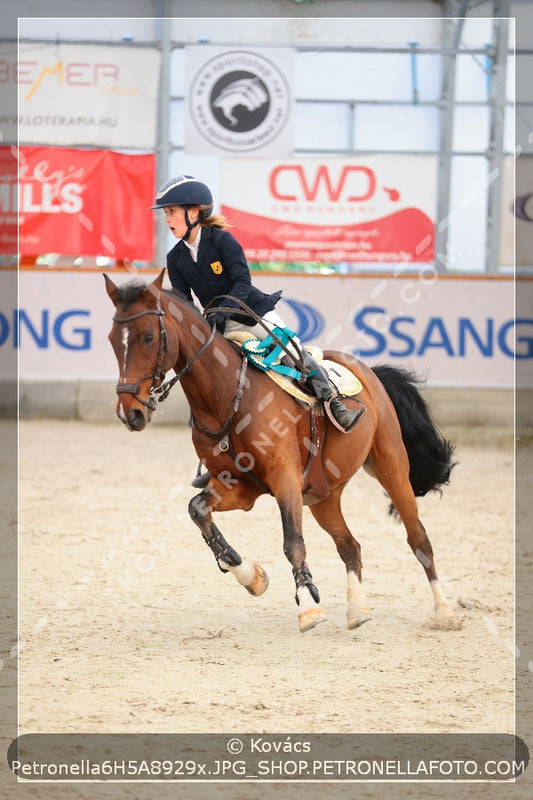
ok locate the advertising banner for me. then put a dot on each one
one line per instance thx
(83, 202)
(76, 94)
(456, 332)
(239, 101)
(8, 91)
(373, 209)
(8, 200)
(517, 211)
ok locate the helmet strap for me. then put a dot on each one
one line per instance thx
(190, 225)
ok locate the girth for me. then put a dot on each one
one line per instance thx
(316, 486)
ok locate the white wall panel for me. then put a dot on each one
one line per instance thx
(324, 124)
(396, 128)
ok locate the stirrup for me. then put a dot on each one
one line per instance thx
(336, 422)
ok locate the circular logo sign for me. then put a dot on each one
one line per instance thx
(239, 101)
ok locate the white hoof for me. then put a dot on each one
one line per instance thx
(357, 617)
(445, 619)
(250, 575)
(259, 583)
(311, 617)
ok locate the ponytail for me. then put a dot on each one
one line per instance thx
(214, 220)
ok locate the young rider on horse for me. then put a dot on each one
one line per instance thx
(209, 261)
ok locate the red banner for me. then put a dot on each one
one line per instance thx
(8, 201)
(85, 202)
(406, 235)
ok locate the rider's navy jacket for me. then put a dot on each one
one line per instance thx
(221, 269)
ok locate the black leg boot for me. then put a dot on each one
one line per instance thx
(318, 381)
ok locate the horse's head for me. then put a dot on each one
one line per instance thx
(139, 339)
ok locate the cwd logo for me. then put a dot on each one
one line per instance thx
(294, 182)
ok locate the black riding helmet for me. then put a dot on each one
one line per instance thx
(185, 191)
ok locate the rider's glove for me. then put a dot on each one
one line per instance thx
(217, 320)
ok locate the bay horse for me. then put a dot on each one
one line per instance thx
(255, 438)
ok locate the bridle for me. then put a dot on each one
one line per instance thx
(158, 375)
(158, 390)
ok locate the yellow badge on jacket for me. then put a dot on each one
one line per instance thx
(216, 266)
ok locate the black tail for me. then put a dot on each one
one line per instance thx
(430, 455)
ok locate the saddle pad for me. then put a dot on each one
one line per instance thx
(342, 378)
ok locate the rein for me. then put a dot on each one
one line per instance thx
(161, 392)
(211, 308)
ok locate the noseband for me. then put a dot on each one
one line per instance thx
(158, 390)
(158, 375)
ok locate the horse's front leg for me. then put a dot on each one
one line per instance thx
(248, 574)
(307, 597)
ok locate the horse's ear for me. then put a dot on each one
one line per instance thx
(111, 288)
(158, 283)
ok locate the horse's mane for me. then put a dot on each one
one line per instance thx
(181, 298)
(129, 293)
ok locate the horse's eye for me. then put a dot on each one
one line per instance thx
(148, 338)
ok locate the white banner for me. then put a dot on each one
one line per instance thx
(451, 331)
(239, 101)
(333, 209)
(75, 94)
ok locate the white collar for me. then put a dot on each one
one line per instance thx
(194, 246)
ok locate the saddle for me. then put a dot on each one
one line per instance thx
(264, 355)
(270, 362)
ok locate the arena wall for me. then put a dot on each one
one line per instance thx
(94, 401)
(467, 338)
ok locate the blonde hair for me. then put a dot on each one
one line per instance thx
(214, 220)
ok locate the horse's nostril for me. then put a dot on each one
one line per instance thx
(136, 420)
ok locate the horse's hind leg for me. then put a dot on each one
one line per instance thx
(329, 516)
(248, 574)
(394, 477)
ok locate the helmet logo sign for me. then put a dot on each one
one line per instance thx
(239, 101)
(240, 93)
